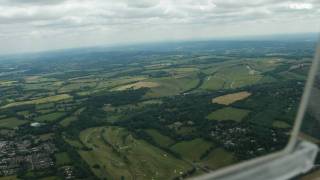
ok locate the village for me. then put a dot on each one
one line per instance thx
(25, 154)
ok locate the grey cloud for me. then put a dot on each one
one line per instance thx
(32, 2)
(31, 18)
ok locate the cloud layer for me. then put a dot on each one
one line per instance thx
(45, 24)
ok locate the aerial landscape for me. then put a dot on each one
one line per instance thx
(149, 111)
(159, 89)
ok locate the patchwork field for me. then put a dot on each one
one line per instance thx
(219, 158)
(280, 124)
(11, 123)
(40, 101)
(115, 153)
(191, 150)
(65, 122)
(160, 139)
(49, 117)
(62, 159)
(137, 85)
(172, 86)
(228, 113)
(231, 98)
(167, 112)
(232, 77)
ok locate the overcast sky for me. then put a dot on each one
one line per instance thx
(36, 25)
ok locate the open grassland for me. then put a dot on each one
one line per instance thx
(9, 178)
(114, 82)
(49, 117)
(7, 83)
(231, 98)
(62, 159)
(160, 139)
(185, 130)
(116, 153)
(219, 158)
(137, 85)
(45, 137)
(75, 143)
(38, 79)
(280, 124)
(42, 85)
(228, 113)
(172, 86)
(76, 87)
(191, 150)
(11, 123)
(51, 178)
(66, 122)
(231, 77)
(49, 99)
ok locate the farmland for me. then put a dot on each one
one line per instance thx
(230, 98)
(152, 114)
(114, 150)
(228, 113)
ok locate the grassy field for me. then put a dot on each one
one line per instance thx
(116, 153)
(9, 178)
(40, 101)
(172, 86)
(65, 122)
(231, 98)
(191, 150)
(280, 124)
(75, 143)
(137, 85)
(232, 77)
(49, 117)
(76, 87)
(62, 159)
(120, 81)
(219, 158)
(11, 123)
(160, 139)
(45, 137)
(228, 113)
(185, 130)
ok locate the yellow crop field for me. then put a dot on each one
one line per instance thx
(231, 98)
(137, 85)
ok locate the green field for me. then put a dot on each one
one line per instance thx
(280, 124)
(11, 122)
(40, 101)
(153, 112)
(76, 87)
(192, 150)
(62, 159)
(9, 178)
(228, 113)
(160, 139)
(219, 158)
(66, 121)
(49, 117)
(172, 85)
(116, 153)
(232, 77)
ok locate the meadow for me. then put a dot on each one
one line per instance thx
(116, 153)
(228, 113)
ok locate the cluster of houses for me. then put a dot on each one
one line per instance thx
(242, 140)
(16, 155)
